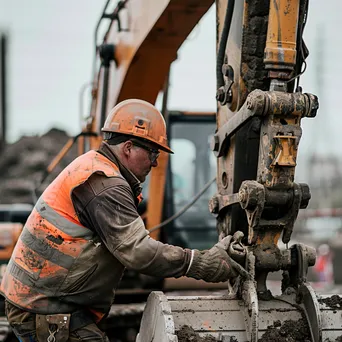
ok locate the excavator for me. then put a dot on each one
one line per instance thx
(253, 139)
(253, 142)
(241, 178)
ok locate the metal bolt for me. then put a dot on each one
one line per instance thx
(242, 195)
(250, 104)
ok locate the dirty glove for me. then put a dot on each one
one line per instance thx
(213, 265)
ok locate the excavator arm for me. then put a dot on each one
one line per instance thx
(259, 118)
(260, 58)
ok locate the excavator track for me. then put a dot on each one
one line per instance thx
(224, 318)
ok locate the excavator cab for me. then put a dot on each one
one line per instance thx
(189, 169)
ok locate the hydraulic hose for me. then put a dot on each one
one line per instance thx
(185, 208)
(223, 43)
(95, 37)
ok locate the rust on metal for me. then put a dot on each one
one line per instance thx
(285, 151)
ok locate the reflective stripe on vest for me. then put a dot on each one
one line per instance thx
(69, 228)
(52, 239)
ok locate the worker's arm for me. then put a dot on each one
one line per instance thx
(107, 206)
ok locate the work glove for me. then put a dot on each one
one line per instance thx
(215, 265)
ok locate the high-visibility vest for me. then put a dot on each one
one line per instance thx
(58, 265)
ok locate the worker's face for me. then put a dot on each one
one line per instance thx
(141, 158)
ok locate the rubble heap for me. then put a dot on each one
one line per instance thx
(23, 164)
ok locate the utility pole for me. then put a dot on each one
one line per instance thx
(3, 90)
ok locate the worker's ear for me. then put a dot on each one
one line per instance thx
(127, 147)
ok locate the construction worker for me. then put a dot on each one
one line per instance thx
(85, 230)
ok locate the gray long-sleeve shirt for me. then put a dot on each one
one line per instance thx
(108, 206)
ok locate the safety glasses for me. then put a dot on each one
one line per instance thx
(153, 154)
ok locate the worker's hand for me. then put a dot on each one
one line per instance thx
(215, 265)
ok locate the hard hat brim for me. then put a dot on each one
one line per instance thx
(165, 149)
(162, 147)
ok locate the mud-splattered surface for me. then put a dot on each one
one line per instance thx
(188, 334)
(254, 40)
(338, 339)
(289, 331)
(334, 302)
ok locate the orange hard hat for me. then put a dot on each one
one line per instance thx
(140, 119)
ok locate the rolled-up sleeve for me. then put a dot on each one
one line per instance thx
(112, 213)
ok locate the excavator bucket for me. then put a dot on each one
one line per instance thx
(225, 318)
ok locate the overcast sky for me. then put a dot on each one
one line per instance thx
(51, 51)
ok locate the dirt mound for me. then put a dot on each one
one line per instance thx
(334, 302)
(23, 163)
(289, 331)
(188, 334)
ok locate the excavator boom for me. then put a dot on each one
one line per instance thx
(141, 42)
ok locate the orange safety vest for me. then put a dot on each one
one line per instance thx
(58, 265)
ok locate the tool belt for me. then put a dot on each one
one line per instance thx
(57, 327)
